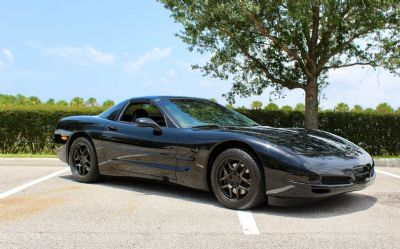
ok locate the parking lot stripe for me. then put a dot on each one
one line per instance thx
(387, 173)
(248, 223)
(31, 183)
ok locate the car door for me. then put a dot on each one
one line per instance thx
(141, 150)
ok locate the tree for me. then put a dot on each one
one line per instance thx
(91, 102)
(384, 108)
(287, 108)
(21, 100)
(62, 103)
(214, 100)
(8, 99)
(230, 106)
(398, 110)
(77, 101)
(342, 107)
(287, 44)
(271, 107)
(256, 105)
(33, 100)
(369, 110)
(300, 107)
(108, 103)
(51, 101)
(357, 108)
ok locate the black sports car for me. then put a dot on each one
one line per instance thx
(201, 144)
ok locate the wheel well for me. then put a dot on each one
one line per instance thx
(224, 146)
(73, 138)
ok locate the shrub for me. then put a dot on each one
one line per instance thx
(379, 134)
(29, 129)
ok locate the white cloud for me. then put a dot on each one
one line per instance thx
(170, 73)
(82, 55)
(6, 58)
(153, 55)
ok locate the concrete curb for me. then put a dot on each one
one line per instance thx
(387, 162)
(28, 162)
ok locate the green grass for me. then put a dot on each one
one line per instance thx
(379, 157)
(27, 156)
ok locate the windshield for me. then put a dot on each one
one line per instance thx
(198, 112)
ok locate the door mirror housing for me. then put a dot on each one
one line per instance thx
(148, 122)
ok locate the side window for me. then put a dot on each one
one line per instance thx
(143, 110)
(112, 112)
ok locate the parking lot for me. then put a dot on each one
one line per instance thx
(42, 207)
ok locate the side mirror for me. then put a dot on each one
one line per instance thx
(148, 122)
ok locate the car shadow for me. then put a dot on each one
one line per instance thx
(343, 204)
(335, 206)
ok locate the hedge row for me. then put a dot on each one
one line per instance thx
(379, 134)
(30, 129)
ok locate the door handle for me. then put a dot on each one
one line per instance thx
(112, 128)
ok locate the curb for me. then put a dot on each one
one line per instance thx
(387, 162)
(34, 162)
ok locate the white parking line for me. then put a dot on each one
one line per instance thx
(31, 183)
(387, 173)
(248, 223)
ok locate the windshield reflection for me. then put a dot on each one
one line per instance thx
(205, 113)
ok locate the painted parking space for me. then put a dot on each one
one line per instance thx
(132, 213)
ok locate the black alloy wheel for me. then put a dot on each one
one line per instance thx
(237, 179)
(83, 161)
(234, 179)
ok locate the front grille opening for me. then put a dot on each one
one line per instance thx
(363, 173)
(335, 180)
(320, 191)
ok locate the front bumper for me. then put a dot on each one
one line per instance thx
(292, 192)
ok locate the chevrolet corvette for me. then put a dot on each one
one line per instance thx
(200, 144)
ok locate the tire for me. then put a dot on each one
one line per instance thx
(83, 161)
(237, 179)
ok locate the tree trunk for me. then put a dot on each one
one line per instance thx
(311, 112)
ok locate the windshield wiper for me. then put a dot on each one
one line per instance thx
(207, 126)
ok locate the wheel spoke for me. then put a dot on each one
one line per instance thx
(230, 193)
(244, 180)
(230, 166)
(238, 166)
(226, 186)
(85, 152)
(243, 188)
(79, 151)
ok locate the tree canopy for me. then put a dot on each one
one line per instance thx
(286, 44)
(256, 104)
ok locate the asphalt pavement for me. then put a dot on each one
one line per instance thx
(42, 207)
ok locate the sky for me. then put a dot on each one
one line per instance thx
(122, 49)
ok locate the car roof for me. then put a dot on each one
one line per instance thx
(153, 98)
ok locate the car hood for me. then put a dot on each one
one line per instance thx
(302, 141)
